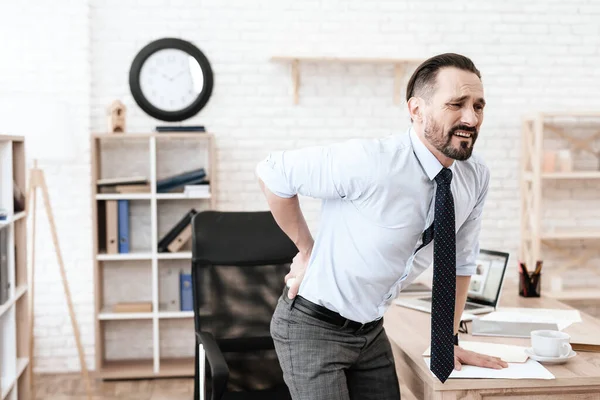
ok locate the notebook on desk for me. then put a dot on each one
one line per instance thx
(484, 290)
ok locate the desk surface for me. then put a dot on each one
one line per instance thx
(409, 334)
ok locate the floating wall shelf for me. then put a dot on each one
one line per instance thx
(400, 66)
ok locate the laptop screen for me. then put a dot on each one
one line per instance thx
(487, 280)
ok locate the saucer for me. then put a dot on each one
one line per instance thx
(549, 360)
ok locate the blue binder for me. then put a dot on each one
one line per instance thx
(185, 291)
(123, 206)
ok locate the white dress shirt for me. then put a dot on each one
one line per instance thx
(378, 197)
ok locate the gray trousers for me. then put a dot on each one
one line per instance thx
(321, 361)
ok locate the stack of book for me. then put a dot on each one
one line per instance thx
(179, 181)
(117, 226)
(133, 184)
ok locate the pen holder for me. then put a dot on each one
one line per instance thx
(530, 286)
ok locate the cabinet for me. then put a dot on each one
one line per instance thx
(151, 339)
(14, 277)
(560, 201)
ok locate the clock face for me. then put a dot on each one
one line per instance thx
(171, 79)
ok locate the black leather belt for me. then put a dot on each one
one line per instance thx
(326, 315)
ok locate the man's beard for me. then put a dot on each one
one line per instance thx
(443, 143)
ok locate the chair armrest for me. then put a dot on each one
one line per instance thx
(216, 362)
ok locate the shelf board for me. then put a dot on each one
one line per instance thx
(572, 175)
(175, 314)
(166, 135)
(21, 290)
(131, 369)
(567, 234)
(22, 363)
(180, 196)
(14, 218)
(347, 60)
(107, 315)
(124, 196)
(6, 387)
(183, 255)
(124, 256)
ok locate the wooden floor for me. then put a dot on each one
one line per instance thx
(71, 387)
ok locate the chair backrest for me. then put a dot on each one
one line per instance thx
(239, 260)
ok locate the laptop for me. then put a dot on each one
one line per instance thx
(484, 290)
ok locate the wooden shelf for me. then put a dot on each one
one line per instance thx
(183, 255)
(14, 313)
(165, 136)
(537, 131)
(572, 175)
(571, 234)
(175, 314)
(124, 256)
(180, 196)
(132, 369)
(400, 67)
(153, 155)
(21, 290)
(124, 196)
(16, 217)
(108, 315)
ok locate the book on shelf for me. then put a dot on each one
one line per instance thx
(168, 290)
(189, 128)
(185, 282)
(123, 223)
(112, 227)
(131, 180)
(176, 230)
(126, 188)
(170, 183)
(132, 307)
(4, 281)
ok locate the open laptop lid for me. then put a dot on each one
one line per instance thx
(486, 284)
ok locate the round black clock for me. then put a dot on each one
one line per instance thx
(171, 79)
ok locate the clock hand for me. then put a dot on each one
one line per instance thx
(178, 74)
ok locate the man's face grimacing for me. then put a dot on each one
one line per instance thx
(454, 113)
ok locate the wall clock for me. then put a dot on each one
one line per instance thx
(171, 79)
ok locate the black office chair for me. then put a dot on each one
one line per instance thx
(239, 260)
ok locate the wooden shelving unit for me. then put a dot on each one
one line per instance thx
(14, 312)
(400, 68)
(158, 212)
(536, 237)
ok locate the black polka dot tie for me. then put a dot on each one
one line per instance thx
(444, 279)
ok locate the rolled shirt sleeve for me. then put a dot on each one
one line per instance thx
(340, 170)
(467, 237)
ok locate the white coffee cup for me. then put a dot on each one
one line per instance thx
(548, 343)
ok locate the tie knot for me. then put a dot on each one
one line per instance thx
(444, 177)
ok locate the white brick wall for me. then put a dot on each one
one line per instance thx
(536, 55)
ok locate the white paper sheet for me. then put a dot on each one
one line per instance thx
(508, 352)
(528, 370)
(563, 318)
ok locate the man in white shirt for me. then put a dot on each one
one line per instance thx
(380, 198)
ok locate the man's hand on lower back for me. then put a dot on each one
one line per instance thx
(297, 270)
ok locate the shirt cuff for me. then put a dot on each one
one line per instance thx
(273, 179)
(466, 270)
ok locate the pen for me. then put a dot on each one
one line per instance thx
(538, 267)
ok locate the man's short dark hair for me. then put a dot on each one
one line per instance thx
(422, 82)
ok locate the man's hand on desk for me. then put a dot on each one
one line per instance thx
(466, 357)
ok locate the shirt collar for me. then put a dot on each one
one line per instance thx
(430, 164)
